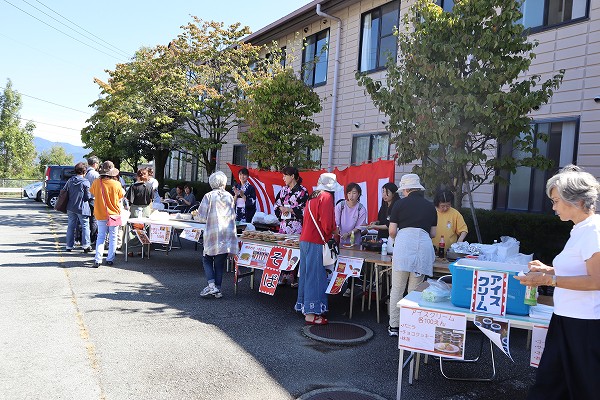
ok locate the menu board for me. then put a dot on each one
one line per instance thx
(438, 333)
(193, 234)
(160, 234)
(347, 267)
(260, 256)
(142, 237)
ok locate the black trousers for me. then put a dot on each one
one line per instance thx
(570, 365)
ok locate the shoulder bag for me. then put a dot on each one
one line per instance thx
(115, 219)
(330, 248)
(63, 199)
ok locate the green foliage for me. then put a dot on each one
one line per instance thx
(137, 116)
(543, 235)
(458, 90)
(279, 113)
(17, 151)
(56, 155)
(215, 68)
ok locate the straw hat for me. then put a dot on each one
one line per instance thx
(410, 181)
(108, 169)
(328, 181)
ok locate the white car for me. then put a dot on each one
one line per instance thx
(33, 191)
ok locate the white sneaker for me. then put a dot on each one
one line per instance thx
(218, 294)
(209, 290)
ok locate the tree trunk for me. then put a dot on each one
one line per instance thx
(212, 162)
(160, 161)
(475, 222)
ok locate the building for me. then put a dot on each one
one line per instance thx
(346, 36)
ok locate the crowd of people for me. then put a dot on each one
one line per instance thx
(406, 218)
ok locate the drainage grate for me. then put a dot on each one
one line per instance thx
(339, 394)
(338, 333)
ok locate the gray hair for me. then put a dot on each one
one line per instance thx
(217, 180)
(93, 160)
(575, 187)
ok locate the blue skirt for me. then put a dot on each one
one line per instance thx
(312, 280)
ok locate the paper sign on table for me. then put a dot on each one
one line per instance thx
(142, 237)
(336, 283)
(293, 259)
(269, 281)
(427, 331)
(347, 267)
(192, 234)
(490, 289)
(538, 342)
(278, 258)
(160, 234)
(496, 329)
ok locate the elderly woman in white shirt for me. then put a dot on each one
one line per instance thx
(570, 362)
(218, 212)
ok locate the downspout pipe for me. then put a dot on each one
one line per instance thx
(334, 91)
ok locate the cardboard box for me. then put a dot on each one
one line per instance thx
(462, 283)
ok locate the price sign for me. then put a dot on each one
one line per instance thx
(160, 234)
(490, 289)
(538, 342)
(432, 332)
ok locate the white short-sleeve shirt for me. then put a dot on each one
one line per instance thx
(581, 246)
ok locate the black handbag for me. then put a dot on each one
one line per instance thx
(63, 199)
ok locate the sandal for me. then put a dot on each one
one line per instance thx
(317, 320)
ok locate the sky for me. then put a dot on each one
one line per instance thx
(52, 50)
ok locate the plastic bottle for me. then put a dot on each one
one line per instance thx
(352, 238)
(384, 247)
(441, 247)
(530, 293)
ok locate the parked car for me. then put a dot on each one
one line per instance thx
(33, 191)
(56, 177)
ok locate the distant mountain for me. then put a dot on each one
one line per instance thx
(78, 152)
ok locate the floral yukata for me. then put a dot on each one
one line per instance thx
(295, 198)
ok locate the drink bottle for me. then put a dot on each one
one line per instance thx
(441, 247)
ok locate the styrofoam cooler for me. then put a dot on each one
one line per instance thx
(462, 283)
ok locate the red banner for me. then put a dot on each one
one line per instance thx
(370, 177)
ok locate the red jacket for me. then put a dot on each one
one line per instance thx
(322, 208)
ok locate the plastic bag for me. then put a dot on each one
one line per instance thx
(437, 291)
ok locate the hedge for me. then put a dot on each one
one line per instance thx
(541, 234)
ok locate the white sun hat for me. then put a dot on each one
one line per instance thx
(410, 181)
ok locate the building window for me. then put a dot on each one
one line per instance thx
(544, 13)
(315, 155)
(377, 39)
(367, 148)
(314, 58)
(283, 56)
(526, 189)
(240, 157)
(447, 5)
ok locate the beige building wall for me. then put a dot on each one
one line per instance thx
(574, 47)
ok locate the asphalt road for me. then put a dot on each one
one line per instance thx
(139, 330)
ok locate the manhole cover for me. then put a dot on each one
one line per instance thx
(338, 333)
(339, 394)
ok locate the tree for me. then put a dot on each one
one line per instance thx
(279, 113)
(56, 155)
(216, 67)
(457, 92)
(17, 151)
(138, 115)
